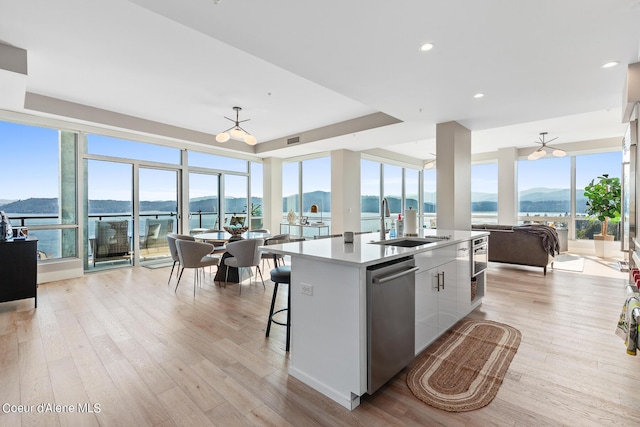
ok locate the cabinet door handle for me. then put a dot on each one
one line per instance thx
(438, 276)
(443, 280)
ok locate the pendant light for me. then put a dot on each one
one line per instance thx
(235, 131)
(542, 151)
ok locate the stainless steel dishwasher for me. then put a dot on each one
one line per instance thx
(390, 319)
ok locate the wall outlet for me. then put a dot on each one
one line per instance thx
(306, 289)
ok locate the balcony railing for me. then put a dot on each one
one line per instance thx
(48, 229)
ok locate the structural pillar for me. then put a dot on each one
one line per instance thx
(272, 193)
(507, 188)
(453, 151)
(345, 191)
(68, 210)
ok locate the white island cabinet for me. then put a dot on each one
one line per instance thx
(329, 303)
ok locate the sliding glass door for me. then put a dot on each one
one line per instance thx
(109, 208)
(158, 212)
(204, 201)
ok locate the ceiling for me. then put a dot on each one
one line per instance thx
(338, 74)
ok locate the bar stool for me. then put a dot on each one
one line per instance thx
(280, 275)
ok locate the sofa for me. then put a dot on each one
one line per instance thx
(531, 245)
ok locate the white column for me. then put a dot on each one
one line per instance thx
(345, 191)
(507, 188)
(453, 151)
(272, 193)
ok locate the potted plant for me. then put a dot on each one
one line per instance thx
(256, 216)
(603, 203)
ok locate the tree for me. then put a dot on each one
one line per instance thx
(603, 200)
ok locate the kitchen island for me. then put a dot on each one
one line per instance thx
(329, 341)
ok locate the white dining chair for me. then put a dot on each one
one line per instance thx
(244, 254)
(171, 242)
(194, 255)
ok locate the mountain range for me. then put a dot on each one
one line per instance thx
(532, 200)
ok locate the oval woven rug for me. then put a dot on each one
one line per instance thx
(464, 368)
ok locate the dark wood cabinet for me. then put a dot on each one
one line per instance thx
(19, 270)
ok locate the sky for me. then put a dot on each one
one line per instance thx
(107, 180)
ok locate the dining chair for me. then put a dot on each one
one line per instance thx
(173, 250)
(218, 246)
(244, 253)
(274, 240)
(194, 255)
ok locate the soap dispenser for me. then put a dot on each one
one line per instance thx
(400, 226)
(392, 231)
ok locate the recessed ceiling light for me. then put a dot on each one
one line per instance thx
(478, 95)
(610, 64)
(427, 46)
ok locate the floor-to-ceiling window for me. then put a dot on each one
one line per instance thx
(39, 190)
(547, 195)
(132, 186)
(306, 191)
(412, 189)
(135, 185)
(109, 224)
(484, 193)
(257, 201)
(392, 188)
(204, 203)
(588, 168)
(429, 197)
(400, 186)
(316, 190)
(369, 195)
(159, 210)
(291, 190)
(236, 197)
(233, 176)
(544, 191)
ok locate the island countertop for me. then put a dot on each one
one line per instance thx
(363, 251)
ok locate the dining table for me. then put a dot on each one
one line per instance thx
(224, 237)
(225, 273)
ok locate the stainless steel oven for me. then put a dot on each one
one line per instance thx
(479, 255)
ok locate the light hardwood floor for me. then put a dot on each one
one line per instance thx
(148, 356)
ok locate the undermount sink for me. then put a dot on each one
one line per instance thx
(408, 242)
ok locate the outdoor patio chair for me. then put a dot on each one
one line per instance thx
(111, 241)
(156, 231)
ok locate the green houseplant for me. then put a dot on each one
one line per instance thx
(604, 203)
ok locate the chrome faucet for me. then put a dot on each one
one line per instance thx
(384, 212)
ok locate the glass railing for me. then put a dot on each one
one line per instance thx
(56, 240)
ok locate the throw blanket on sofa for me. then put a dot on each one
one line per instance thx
(550, 240)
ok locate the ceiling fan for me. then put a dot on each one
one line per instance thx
(542, 151)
